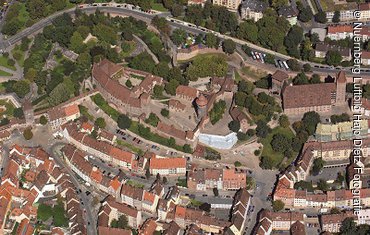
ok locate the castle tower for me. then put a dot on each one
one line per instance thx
(201, 106)
(341, 83)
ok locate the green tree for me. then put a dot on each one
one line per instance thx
(158, 90)
(305, 14)
(211, 40)
(178, 36)
(18, 113)
(128, 83)
(280, 143)
(171, 86)
(171, 142)
(248, 30)
(240, 98)
(187, 148)
(321, 17)
(21, 88)
(333, 58)
(228, 46)
(284, 121)
(277, 205)
(43, 120)
(123, 121)
(242, 136)
(317, 166)
(237, 164)
(59, 94)
(251, 183)
(127, 35)
(100, 122)
(153, 119)
(76, 43)
(31, 74)
(215, 192)
(234, 125)
(300, 79)
(310, 121)
(322, 185)
(307, 68)
(165, 113)
(348, 226)
(315, 79)
(279, 3)
(161, 24)
(336, 17)
(177, 10)
(147, 174)
(27, 134)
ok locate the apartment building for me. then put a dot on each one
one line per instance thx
(231, 5)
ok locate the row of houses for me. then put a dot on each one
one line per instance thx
(124, 159)
(30, 177)
(222, 179)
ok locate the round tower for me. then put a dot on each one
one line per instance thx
(201, 103)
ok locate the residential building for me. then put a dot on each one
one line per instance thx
(364, 8)
(333, 222)
(340, 131)
(252, 9)
(176, 106)
(60, 115)
(321, 49)
(197, 2)
(289, 13)
(111, 210)
(239, 212)
(167, 166)
(232, 5)
(338, 32)
(365, 58)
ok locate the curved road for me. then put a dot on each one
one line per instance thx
(147, 17)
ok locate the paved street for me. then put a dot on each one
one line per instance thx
(4, 44)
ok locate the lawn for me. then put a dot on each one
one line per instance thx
(4, 63)
(21, 54)
(57, 212)
(267, 151)
(203, 56)
(9, 108)
(135, 184)
(131, 147)
(132, 46)
(182, 183)
(99, 101)
(84, 111)
(254, 74)
(158, 7)
(5, 74)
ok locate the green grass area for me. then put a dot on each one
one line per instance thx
(237, 77)
(4, 63)
(57, 212)
(99, 101)
(137, 77)
(195, 203)
(254, 74)
(2, 87)
(8, 107)
(267, 151)
(135, 184)
(129, 50)
(130, 147)
(203, 56)
(182, 182)
(85, 112)
(5, 74)
(18, 52)
(329, 5)
(159, 7)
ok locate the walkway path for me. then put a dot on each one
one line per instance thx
(154, 57)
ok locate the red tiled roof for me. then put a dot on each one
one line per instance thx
(71, 110)
(167, 163)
